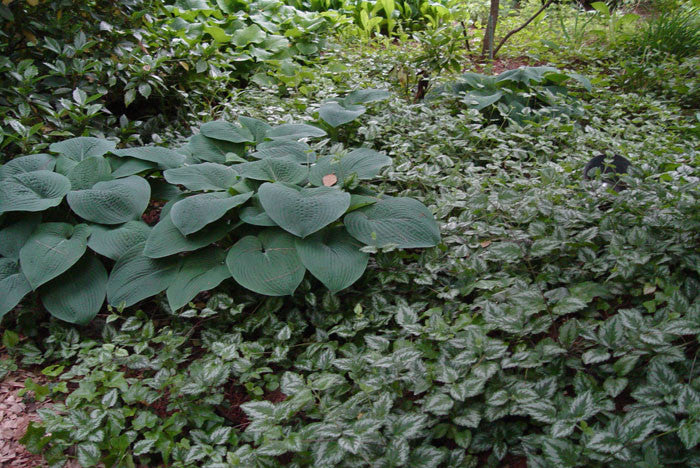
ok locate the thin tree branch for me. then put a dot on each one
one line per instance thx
(524, 25)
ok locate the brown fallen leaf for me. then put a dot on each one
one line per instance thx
(329, 180)
(485, 243)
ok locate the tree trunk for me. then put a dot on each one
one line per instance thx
(490, 30)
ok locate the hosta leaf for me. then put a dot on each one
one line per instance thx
(113, 242)
(201, 271)
(136, 277)
(289, 149)
(204, 176)
(365, 96)
(363, 162)
(255, 215)
(294, 132)
(222, 130)
(124, 167)
(13, 285)
(16, 234)
(481, 98)
(112, 202)
(166, 239)
(81, 148)
(164, 157)
(31, 163)
(88, 172)
(336, 115)
(525, 75)
(211, 150)
(267, 264)
(256, 127)
(273, 170)
(193, 213)
(162, 190)
(32, 191)
(333, 257)
(405, 222)
(360, 201)
(302, 211)
(78, 294)
(52, 249)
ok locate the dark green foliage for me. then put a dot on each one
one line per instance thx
(71, 68)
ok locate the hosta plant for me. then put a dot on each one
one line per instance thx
(526, 93)
(245, 200)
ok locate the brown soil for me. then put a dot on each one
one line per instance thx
(500, 65)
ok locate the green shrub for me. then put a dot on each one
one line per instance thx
(277, 206)
(516, 95)
(92, 68)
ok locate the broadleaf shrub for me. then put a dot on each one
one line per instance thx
(280, 214)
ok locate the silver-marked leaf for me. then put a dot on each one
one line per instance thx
(222, 130)
(204, 176)
(136, 277)
(88, 172)
(405, 222)
(166, 239)
(201, 271)
(267, 264)
(193, 213)
(13, 285)
(78, 294)
(273, 170)
(289, 149)
(257, 127)
(302, 211)
(52, 249)
(164, 157)
(125, 167)
(32, 191)
(81, 148)
(112, 202)
(365, 96)
(31, 163)
(113, 242)
(334, 257)
(294, 132)
(363, 162)
(336, 115)
(211, 150)
(15, 235)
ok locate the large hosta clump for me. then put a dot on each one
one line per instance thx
(244, 200)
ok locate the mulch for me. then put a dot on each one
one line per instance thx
(15, 415)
